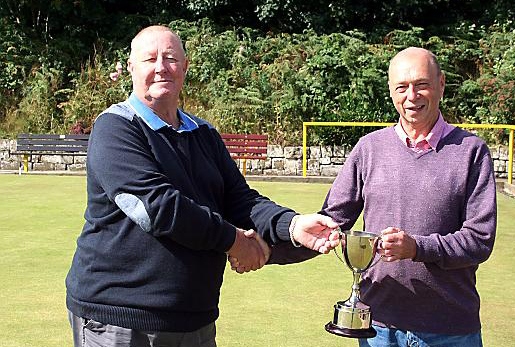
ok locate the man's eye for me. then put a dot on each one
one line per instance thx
(171, 59)
(401, 89)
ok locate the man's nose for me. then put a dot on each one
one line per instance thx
(159, 65)
(412, 92)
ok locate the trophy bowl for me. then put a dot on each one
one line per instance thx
(352, 318)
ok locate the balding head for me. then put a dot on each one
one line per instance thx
(141, 39)
(415, 53)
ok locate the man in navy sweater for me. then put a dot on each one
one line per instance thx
(166, 207)
(429, 189)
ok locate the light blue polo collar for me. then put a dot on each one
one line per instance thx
(154, 122)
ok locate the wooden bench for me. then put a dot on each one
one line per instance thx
(246, 146)
(34, 144)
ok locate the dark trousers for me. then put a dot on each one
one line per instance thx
(89, 333)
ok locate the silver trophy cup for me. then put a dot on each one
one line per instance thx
(352, 318)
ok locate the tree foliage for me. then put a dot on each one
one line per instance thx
(259, 65)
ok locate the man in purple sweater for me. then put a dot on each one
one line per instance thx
(428, 188)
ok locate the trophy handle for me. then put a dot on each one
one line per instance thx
(340, 238)
(377, 245)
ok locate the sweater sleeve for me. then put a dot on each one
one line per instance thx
(344, 202)
(473, 243)
(248, 209)
(123, 174)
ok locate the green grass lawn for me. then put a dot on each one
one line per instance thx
(41, 217)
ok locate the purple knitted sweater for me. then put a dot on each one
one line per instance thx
(445, 199)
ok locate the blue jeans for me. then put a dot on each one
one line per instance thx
(394, 337)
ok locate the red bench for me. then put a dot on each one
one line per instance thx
(246, 146)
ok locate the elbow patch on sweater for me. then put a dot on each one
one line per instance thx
(133, 207)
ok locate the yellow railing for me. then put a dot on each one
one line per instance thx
(305, 125)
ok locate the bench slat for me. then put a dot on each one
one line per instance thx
(245, 136)
(32, 149)
(236, 143)
(54, 136)
(31, 142)
(246, 146)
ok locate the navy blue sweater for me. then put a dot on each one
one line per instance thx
(161, 213)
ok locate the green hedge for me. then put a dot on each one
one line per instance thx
(246, 83)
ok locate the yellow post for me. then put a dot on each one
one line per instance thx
(25, 163)
(510, 158)
(244, 169)
(509, 127)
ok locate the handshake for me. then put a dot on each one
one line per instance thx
(250, 252)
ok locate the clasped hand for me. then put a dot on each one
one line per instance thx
(396, 244)
(250, 252)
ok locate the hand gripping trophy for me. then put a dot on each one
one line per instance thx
(352, 318)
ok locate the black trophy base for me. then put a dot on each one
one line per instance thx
(352, 333)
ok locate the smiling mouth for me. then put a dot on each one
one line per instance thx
(415, 108)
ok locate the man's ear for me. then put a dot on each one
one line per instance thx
(129, 66)
(186, 65)
(442, 84)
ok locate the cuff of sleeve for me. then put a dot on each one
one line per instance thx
(427, 249)
(229, 232)
(283, 226)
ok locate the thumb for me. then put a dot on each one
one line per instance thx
(250, 233)
(264, 246)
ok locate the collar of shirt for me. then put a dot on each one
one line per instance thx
(153, 120)
(439, 131)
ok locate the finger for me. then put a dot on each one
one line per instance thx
(390, 230)
(388, 253)
(265, 248)
(243, 269)
(334, 236)
(250, 233)
(323, 250)
(234, 262)
(334, 240)
(326, 247)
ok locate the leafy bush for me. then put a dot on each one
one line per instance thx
(37, 110)
(246, 82)
(92, 92)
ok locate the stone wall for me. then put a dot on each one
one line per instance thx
(282, 161)
(327, 161)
